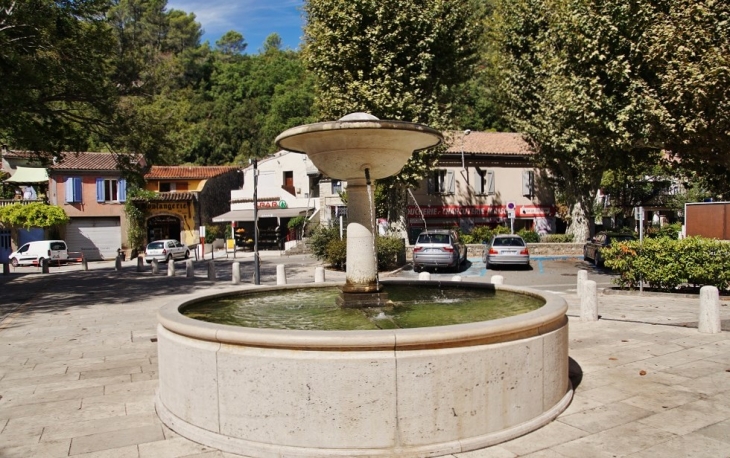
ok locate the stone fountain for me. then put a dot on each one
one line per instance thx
(354, 149)
(415, 392)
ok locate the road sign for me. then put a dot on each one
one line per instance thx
(511, 206)
(510, 213)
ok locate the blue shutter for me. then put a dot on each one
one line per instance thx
(69, 189)
(122, 191)
(77, 189)
(100, 190)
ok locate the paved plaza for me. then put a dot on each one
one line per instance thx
(78, 369)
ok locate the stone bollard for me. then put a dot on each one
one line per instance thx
(211, 270)
(170, 268)
(236, 273)
(140, 264)
(456, 278)
(6, 268)
(319, 275)
(589, 302)
(709, 322)
(84, 263)
(280, 274)
(118, 263)
(497, 280)
(155, 267)
(582, 277)
(44, 265)
(189, 269)
(424, 276)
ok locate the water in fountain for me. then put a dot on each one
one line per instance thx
(423, 218)
(373, 229)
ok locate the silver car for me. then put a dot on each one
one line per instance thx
(438, 248)
(505, 249)
(166, 250)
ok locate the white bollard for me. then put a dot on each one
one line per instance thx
(497, 280)
(189, 269)
(280, 274)
(155, 267)
(582, 277)
(456, 278)
(589, 302)
(319, 275)
(709, 322)
(424, 276)
(236, 273)
(140, 264)
(118, 263)
(211, 270)
(170, 268)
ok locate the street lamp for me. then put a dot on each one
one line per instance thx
(256, 268)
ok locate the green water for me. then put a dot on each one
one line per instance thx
(315, 309)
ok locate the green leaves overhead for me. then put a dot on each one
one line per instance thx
(37, 214)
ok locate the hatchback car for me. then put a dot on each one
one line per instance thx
(506, 249)
(438, 248)
(592, 248)
(166, 250)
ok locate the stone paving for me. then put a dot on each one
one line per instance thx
(78, 370)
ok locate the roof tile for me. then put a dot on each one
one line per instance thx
(158, 172)
(488, 143)
(88, 161)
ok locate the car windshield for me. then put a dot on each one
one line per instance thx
(433, 238)
(155, 246)
(508, 241)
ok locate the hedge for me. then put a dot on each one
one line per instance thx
(665, 264)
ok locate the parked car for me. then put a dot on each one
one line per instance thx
(506, 249)
(166, 250)
(32, 253)
(438, 248)
(592, 248)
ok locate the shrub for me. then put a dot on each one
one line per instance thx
(529, 236)
(669, 231)
(337, 253)
(483, 234)
(391, 251)
(556, 238)
(321, 237)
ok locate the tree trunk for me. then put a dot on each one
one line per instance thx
(580, 223)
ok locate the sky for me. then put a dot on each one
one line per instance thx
(254, 19)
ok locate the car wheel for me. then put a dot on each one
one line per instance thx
(187, 254)
(417, 269)
(15, 262)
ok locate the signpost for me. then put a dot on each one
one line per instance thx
(511, 207)
(201, 230)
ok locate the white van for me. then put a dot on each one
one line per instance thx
(32, 252)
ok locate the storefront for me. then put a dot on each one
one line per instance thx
(273, 223)
(171, 220)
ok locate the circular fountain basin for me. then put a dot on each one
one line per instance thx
(398, 392)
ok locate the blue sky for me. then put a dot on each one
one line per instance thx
(254, 19)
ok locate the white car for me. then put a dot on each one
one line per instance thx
(166, 250)
(32, 253)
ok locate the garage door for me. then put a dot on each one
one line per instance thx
(96, 238)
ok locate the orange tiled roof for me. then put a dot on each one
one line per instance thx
(88, 161)
(488, 143)
(19, 154)
(158, 172)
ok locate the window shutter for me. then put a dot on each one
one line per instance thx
(491, 187)
(431, 186)
(451, 184)
(477, 182)
(100, 190)
(69, 189)
(527, 183)
(122, 183)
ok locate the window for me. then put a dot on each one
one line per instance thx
(441, 182)
(167, 187)
(336, 186)
(73, 189)
(528, 183)
(483, 182)
(111, 190)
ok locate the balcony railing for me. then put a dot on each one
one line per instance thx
(6, 202)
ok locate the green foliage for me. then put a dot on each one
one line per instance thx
(136, 210)
(668, 230)
(556, 238)
(529, 236)
(665, 263)
(319, 239)
(390, 250)
(36, 214)
(337, 253)
(212, 232)
(296, 222)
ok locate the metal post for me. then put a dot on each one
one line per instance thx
(256, 267)
(641, 242)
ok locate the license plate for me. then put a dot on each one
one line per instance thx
(509, 251)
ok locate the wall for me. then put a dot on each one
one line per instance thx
(710, 219)
(271, 175)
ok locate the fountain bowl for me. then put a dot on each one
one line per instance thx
(392, 393)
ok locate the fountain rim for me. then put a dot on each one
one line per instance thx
(547, 318)
(366, 124)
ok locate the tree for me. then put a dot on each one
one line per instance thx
(395, 60)
(231, 43)
(53, 67)
(36, 214)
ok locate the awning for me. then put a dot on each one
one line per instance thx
(28, 175)
(247, 215)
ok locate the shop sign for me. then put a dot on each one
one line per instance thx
(272, 204)
(167, 206)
